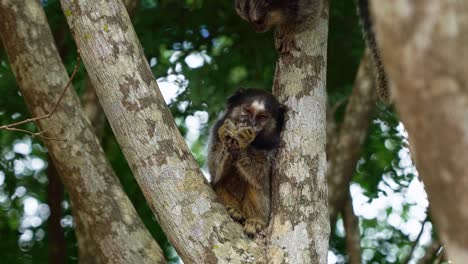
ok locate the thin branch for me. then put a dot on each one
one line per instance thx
(34, 134)
(353, 236)
(57, 243)
(416, 241)
(346, 142)
(12, 127)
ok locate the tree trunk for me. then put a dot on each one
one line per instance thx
(353, 131)
(425, 52)
(187, 209)
(99, 204)
(299, 220)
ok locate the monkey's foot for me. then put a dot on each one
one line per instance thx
(235, 214)
(252, 226)
(285, 42)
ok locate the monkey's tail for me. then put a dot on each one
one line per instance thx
(363, 9)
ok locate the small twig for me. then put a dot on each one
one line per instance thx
(34, 134)
(416, 242)
(12, 127)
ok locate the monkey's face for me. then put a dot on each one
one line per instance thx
(254, 115)
(259, 13)
(257, 109)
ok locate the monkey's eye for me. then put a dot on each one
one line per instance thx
(258, 22)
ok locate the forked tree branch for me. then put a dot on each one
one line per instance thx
(185, 205)
(100, 207)
(187, 209)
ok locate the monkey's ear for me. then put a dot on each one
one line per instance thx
(236, 96)
(282, 109)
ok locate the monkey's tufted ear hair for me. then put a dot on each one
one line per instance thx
(233, 99)
(282, 109)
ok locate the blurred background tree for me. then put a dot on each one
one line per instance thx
(200, 52)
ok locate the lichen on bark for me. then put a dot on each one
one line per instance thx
(300, 223)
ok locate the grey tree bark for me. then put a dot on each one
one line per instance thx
(187, 209)
(425, 52)
(92, 109)
(299, 221)
(90, 102)
(101, 208)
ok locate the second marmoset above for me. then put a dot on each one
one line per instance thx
(241, 153)
(284, 14)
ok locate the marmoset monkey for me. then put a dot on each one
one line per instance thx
(242, 149)
(286, 15)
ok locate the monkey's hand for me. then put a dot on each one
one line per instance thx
(227, 132)
(235, 138)
(245, 136)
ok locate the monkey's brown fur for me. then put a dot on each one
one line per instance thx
(367, 23)
(286, 15)
(241, 156)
